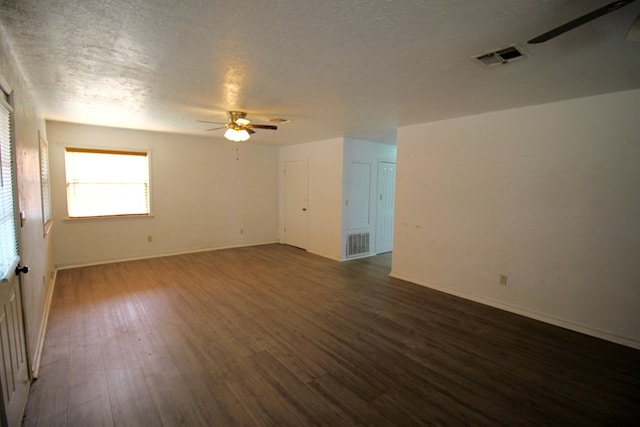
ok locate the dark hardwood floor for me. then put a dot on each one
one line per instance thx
(273, 336)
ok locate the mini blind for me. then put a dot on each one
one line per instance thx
(106, 182)
(8, 239)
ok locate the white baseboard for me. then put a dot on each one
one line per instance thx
(332, 258)
(35, 368)
(543, 317)
(159, 255)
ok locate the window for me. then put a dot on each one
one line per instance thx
(8, 240)
(44, 185)
(106, 183)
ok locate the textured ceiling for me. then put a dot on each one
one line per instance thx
(357, 68)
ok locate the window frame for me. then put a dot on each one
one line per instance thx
(103, 150)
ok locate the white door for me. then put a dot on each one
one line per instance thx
(14, 376)
(296, 203)
(386, 199)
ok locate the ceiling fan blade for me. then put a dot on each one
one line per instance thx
(272, 127)
(207, 121)
(580, 21)
(221, 127)
(633, 35)
(251, 131)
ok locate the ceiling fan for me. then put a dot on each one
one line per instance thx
(633, 34)
(239, 128)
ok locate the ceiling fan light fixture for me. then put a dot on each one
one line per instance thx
(237, 135)
(239, 128)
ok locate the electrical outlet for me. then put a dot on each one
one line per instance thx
(503, 279)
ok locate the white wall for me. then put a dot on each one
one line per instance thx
(548, 195)
(359, 213)
(35, 247)
(202, 197)
(325, 193)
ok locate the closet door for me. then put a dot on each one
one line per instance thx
(296, 201)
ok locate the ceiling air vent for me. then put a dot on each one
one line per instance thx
(278, 120)
(501, 56)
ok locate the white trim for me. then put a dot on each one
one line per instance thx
(105, 217)
(5, 86)
(35, 369)
(543, 317)
(7, 92)
(322, 255)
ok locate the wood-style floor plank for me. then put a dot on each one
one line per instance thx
(273, 336)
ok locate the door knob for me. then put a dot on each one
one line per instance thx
(24, 269)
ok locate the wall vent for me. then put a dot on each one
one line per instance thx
(357, 244)
(502, 56)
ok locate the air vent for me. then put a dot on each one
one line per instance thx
(278, 120)
(502, 56)
(357, 244)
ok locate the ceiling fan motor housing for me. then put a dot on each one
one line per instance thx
(236, 115)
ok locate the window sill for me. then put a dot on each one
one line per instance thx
(105, 217)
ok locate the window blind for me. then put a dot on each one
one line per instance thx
(106, 182)
(45, 184)
(8, 237)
